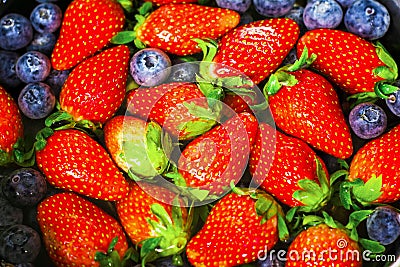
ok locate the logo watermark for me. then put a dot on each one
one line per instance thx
(338, 253)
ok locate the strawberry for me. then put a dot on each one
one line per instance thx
(238, 227)
(137, 147)
(255, 49)
(322, 245)
(70, 159)
(95, 89)
(74, 230)
(173, 27)
(155, 219)
(11, 127)
(378, 166)
(306, 105)
(87, 27)
(352, 63)
(219, 157)
(179, 107)
(281, 165)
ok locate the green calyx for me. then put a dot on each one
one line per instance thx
(172, 233)
(111, 258)
(357, 192)
(213, 86)
(388, 72)
(265, 206)
(314, 195)
(282, 76)
(129, 34)
(151, 157)
(61, 120)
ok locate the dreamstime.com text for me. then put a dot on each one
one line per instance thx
(331, 254)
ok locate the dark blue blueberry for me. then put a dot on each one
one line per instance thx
(56, 80)
(149, 66)
(8, 76)
(273, 8)
(368, 19)
(237, 5)
(291, 57)
(19, 244)
(345, 3)
(322, 14)
(296, 14)
(24, 187)
(36, 100)
(46, 17)
(43, 42)
(184, 72)
(383, 225)
(15, 31)
(368, 120)
(9, 215)
(245, 18)
(46, 1)
(393, 103)
(270, 260)
(33, 66)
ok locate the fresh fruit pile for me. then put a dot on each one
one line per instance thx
(199, 133)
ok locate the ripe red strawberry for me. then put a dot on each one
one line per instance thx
(354, 64)
(321, 245)
(378, 165)
(173, 27)
(219, 157)
(310, 110)
(175, 106)
(11, 127)
(87, 27)
(238, 227)
(95, 89)
(138, 147)
(279, 162)
(154, 217)
(74, 229)
(72, 160)
(256, 49)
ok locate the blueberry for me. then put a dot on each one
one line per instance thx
(46, 17)
(16, 31)
(25, 264)
(33, 66)
(240, 6)
(9, 215)
(273, 8)
(345, 3)
(368, 19)
(24, 187)
(270, 260)
(56, 80)
(36, 100)
(149, 66)
(296, 14)
(184, 72)
(322, 14)
(291, 57)
(368, 120)
(8, 76)
(245, 18)
(43, 42)
(383, 225)
(393, 103)
(19, 244)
